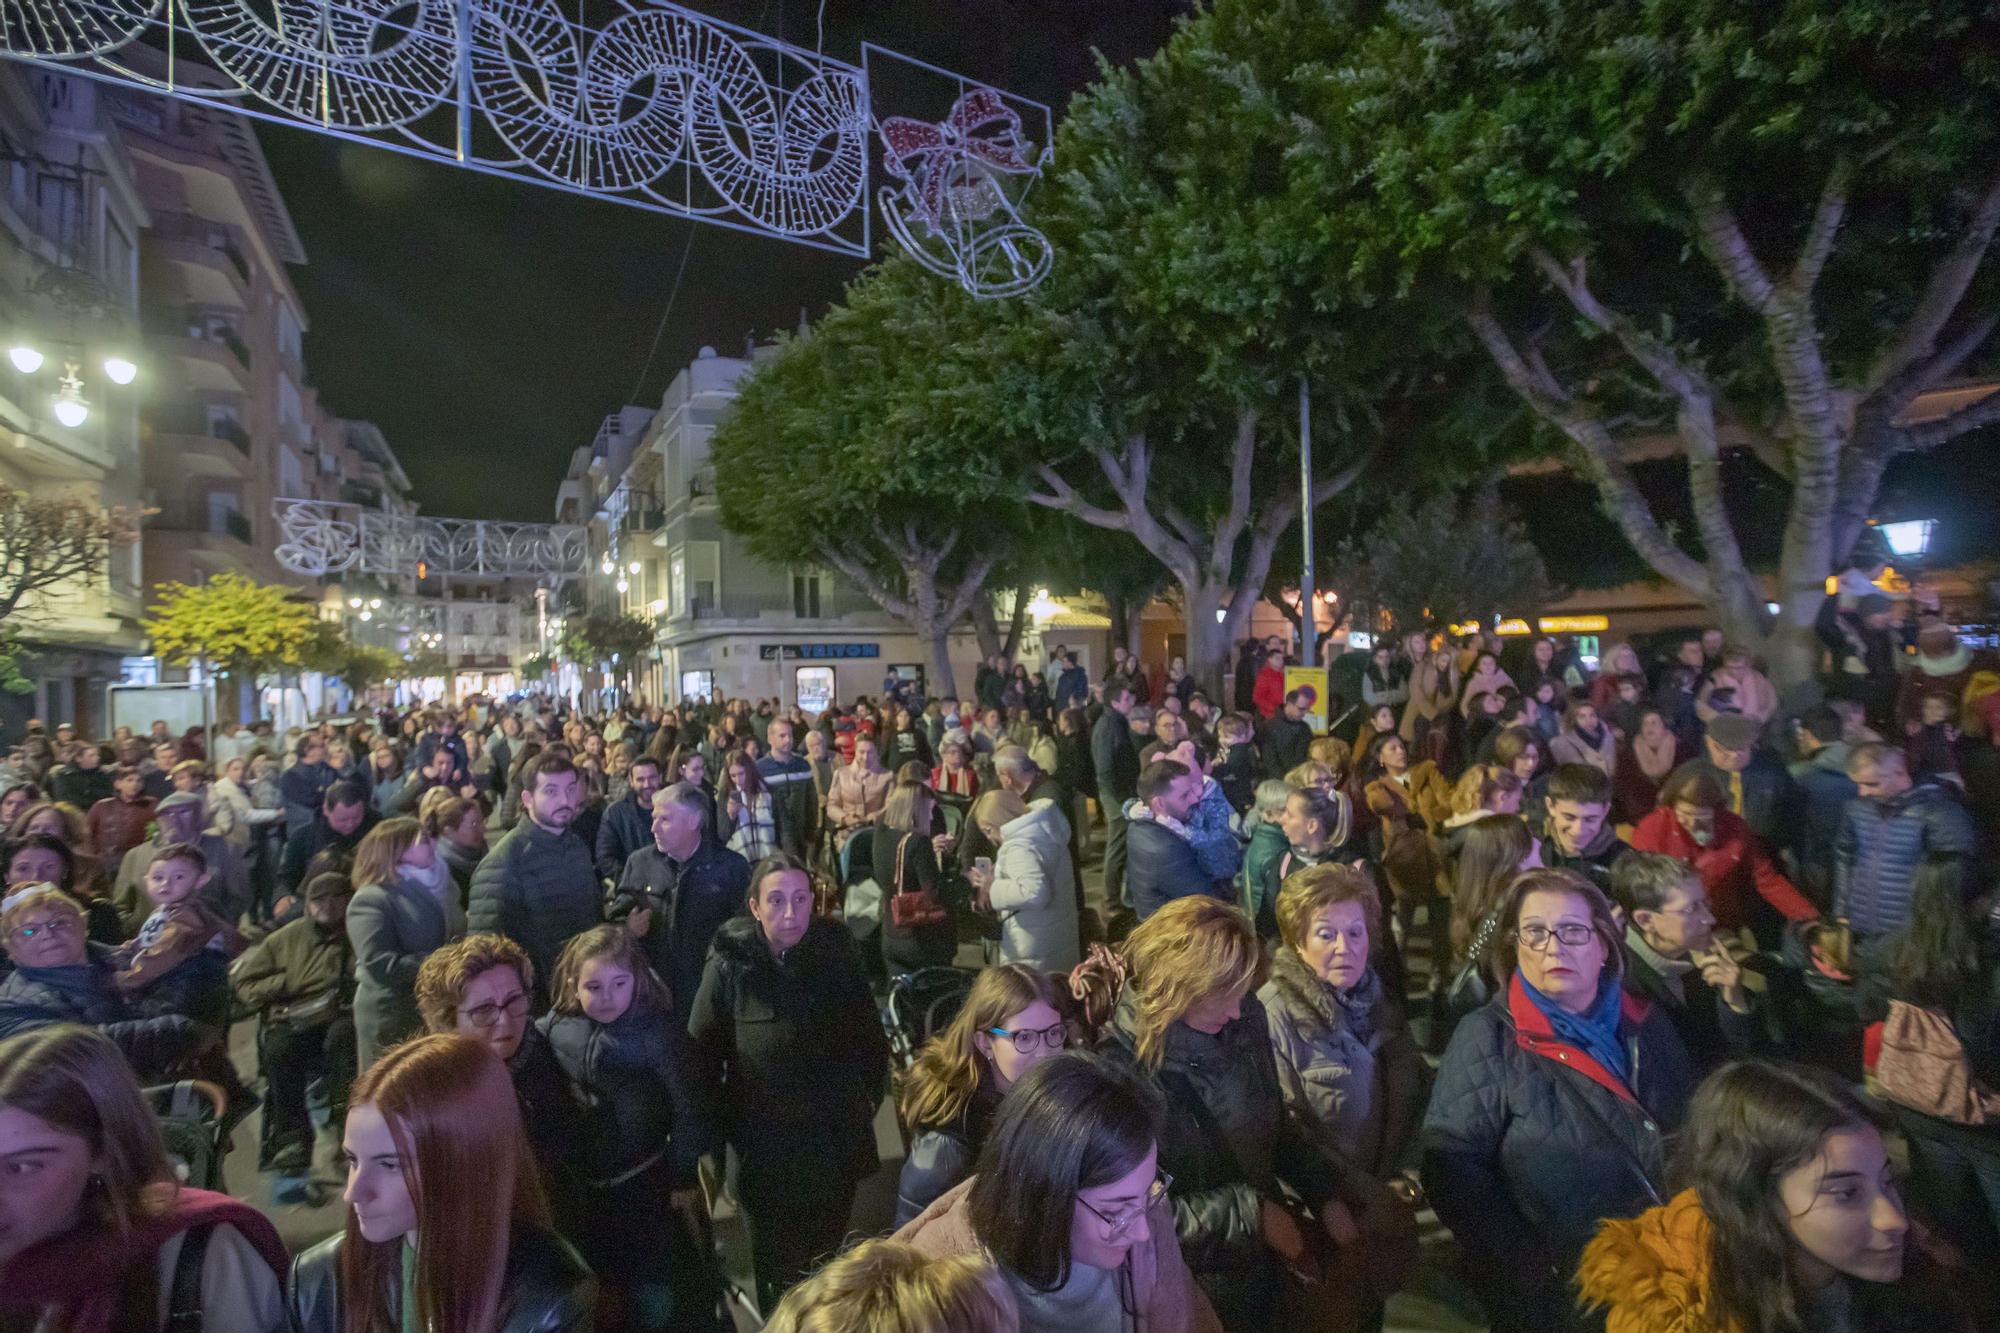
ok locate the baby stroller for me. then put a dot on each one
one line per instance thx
(194, 1125)
(922, 1004)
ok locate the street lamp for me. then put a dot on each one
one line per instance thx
(1909, 539)
(26, 359)
(119, 370)
(69, 407)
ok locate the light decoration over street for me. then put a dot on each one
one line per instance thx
(657, 106)
(322, 537)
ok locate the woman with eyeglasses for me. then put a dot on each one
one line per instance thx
(1553, 1104)
(1189, 1022)
(482, 987)
(1071, 1206)
(1008, 1025)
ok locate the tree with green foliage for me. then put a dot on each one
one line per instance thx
(868, 447)
(1445, 559)
(602, 636)
(425, 664)
(233, 624)
(537, 667)
(1710, 225)
(46, 542)
(1187, 302)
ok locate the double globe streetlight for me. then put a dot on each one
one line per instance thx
(68, 404)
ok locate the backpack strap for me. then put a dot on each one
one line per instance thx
(184, 1309)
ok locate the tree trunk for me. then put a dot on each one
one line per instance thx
(1208, 637)
(937, 640)
(1015, 624)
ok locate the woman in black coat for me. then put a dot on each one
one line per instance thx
(1552, 1105)
(1189, 1023)
(796, 1064)
(904, 834)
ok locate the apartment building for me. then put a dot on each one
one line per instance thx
(725, 621)
(71, 213)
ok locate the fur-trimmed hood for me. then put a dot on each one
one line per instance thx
(1650, 1273)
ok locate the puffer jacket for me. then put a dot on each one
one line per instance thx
(1359, 1095)
(35, 997)
(1529, 1143)
(1880, 846)
(1227, 1143)
(796, 1046)
(636, 1093)
(1160, 863)
(1261, 859)
(1212, 833)
(1034, 891)
(1164, 1299)
(941, 1156)
(546, 1289)
(540, 890)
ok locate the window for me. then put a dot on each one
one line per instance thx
(814, 688)
(120, 260)
(697, 684)
(677, 580)
(58, 205)
(805, 595)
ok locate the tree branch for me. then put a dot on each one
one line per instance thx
(1659, 360)
(971, 582)
(1061, 495)
(1727, 247)
(1242, 467)
(1931, 434)
(1889, 401)
(1621, 494)
(1328, 487)
(1824, 230)
(869, 582)
(1948, 284)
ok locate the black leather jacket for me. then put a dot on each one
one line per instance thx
(547, 1288)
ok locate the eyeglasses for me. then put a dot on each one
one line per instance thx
(1121, 1223)
(1571, 933)
(54, 927)
(488, 1015)
(1029, 1040)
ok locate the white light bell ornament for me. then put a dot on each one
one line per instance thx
(606, 566)
(26, 359)
(70, 408)
(623, 583)
(119, 370)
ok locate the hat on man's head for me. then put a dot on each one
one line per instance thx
(321, 887)
(1735, 731)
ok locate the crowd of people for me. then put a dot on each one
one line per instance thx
(1676, 1008)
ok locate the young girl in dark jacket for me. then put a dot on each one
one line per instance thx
(638, 1132)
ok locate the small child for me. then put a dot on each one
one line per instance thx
(1239, 770)
(1933, 742)
(639, 1133)
(179, 924)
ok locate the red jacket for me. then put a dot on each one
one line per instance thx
(1269, 696)
(116, 826)
(1734, 865)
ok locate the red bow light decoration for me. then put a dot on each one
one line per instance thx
(981, 129)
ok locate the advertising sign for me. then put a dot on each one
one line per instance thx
(1314, 681)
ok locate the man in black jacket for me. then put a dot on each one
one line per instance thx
(1673, 960)
(1163, 862)
(1116, 759)
(343, 821)
(86, 781)
(1287, 736)
(538, 886)
(628, 821)
(794, 795)
(676, 891)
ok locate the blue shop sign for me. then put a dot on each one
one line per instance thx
(816, 652)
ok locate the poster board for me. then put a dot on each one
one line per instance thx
(180, 705)
(1315, 681)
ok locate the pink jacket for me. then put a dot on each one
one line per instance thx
(1166, 1294)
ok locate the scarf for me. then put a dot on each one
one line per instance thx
(78, 1277)
(1595, 1030)
(1594, 739)
(1361, 1006)
(1656, 758)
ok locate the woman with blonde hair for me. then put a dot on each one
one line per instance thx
(98, 1235)
(1008, 1025)
(885, 1286)
(405, 905)
(447, 1229)
(905, 863)
(1190, 1024)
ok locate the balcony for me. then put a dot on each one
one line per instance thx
(212, 353)
(213, 266)
(202, 448)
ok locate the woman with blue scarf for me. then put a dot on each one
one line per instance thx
(1552, 1106)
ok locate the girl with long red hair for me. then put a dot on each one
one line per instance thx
(447, 1229)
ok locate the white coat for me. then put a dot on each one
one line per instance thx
(1034, 891)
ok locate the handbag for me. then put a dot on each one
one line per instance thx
(916, 908)
(1923, 1066)
(307, 1014)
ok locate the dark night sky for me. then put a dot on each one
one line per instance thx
(489, 325)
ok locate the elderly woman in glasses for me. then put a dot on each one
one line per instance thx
(1071, 1207)
(60, 977)
(481, 986)
(1553, 1104)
